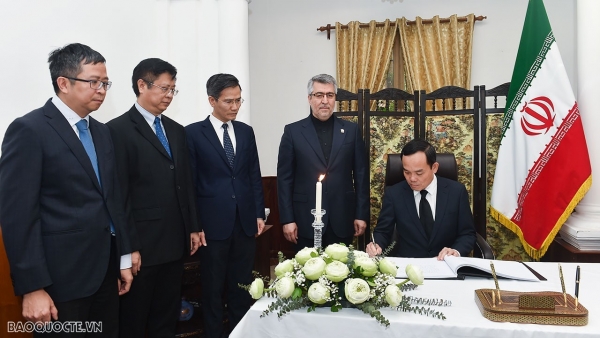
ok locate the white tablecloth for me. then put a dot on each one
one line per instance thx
(463, 318)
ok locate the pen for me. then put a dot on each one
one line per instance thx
(372, 238)
(496, 282)
(562, 283)
(577, 276)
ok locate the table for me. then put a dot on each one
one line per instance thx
(463, 317)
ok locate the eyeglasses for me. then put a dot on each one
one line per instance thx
(94, 84)
(320, 95)
(165, 91)
(230, 102)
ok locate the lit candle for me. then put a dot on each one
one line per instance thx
(319, 198)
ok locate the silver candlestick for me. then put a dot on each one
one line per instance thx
(318, 226)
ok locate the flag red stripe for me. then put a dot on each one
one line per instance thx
(555, 187)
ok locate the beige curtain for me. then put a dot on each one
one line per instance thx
(437, 54)
(363, 55)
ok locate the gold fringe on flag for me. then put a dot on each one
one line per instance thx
(539, 253)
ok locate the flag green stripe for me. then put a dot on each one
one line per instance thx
(537, 34)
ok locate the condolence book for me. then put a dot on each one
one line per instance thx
(458, 267)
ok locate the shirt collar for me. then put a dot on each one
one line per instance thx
(148, 116)
(431, 188)
(67, 112)
(218, 124)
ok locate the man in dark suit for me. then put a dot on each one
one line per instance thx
(156, 183)
(231, 207)
(419, 231)
(63, 223)
(322, 144)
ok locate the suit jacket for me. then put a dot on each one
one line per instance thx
(55, 216)
(221, 189)
(157, 189)
(345, 186)
(453, 227)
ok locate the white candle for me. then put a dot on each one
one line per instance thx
(319, 198)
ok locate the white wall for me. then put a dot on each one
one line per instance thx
(285, 49)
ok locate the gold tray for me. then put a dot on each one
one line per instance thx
(509, 311)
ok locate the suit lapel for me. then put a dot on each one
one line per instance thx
(310, 134)
(239, 142)
(339, 136)
(172, 136)
(143, 128)
(209, 132)
(102, 149)
(66, 132)
(440, 205)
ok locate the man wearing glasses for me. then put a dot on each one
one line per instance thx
(322, 144)
(155, 181)
(231, 207)
(63, 222)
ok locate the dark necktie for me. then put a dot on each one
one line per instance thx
(161, 136)
(88, 145)
(228, 145)
(425, 214)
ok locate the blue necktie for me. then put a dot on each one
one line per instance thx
(88, 145)
(161, 136)
(228, 145)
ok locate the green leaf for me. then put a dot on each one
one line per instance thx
(314, 254)
(297, 293)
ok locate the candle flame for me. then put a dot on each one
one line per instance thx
(321, 178)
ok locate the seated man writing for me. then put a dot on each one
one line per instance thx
(431, 214)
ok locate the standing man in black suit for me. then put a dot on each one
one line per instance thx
(231, 206)
(156, 184)
(322, 144)
(420, 231)
(63, 223)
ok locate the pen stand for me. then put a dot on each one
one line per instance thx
(318, 226)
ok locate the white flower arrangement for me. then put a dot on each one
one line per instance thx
(338, 277)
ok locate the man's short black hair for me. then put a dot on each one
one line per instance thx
(417, 145)
(149, 70)
(218, 82)
(67, 61)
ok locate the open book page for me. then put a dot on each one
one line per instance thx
(432, 268)
(506, 269)
(451, 267)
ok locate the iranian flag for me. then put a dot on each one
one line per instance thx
(543, 167)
